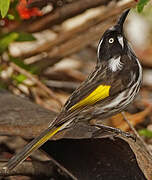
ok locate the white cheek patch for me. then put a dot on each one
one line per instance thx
(120, 39)
(115, 64)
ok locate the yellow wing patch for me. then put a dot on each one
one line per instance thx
(98, 94)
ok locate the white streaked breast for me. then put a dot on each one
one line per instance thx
(115, 64)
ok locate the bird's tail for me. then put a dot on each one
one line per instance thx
(34, 145)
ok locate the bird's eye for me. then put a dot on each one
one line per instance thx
(111, 40)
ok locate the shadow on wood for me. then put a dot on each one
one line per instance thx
(96, 159)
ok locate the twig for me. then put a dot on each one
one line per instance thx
(36, 81)
(67, 11)
(37, 168)
(57, 16)
(79, 31)
(62, 84)
(135, 132)
(48, 103)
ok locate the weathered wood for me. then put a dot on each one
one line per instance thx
(23, 118)
(43, 169)
(18, 116)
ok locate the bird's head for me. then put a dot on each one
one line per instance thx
(113, 42)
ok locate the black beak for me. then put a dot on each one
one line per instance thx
(122, 19)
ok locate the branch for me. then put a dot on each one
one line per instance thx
(36, 81)
(87, 28)
(39, 169)
(65, 12)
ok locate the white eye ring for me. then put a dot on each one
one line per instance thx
(111, 40)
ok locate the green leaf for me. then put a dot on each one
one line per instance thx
(6, 40)
(14, 11)
(25, 37)
(10, 17)
(141, 4)
(21, 64)
(4, 6)
(19, 78)
(146, 133)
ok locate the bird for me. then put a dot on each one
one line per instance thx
(108, 90)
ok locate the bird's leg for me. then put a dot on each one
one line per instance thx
(113, 130)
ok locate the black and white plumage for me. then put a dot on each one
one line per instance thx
(108, 90)
(118, 67)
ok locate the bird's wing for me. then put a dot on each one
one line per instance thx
(101, 84)
(91, 90)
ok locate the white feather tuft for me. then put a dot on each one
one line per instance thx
(115, 64)
(120, 39)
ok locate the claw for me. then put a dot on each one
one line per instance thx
(112, 130)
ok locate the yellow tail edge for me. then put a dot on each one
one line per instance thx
(32, 146)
